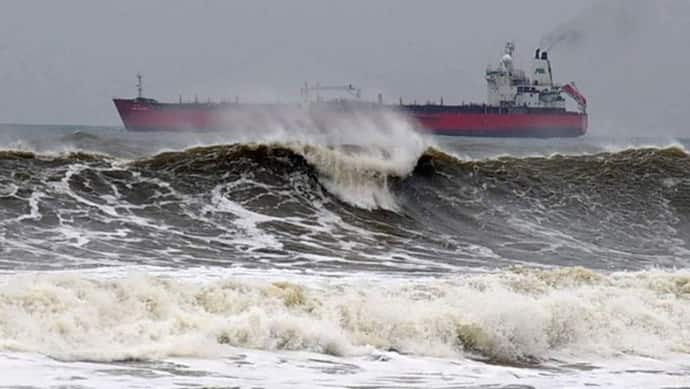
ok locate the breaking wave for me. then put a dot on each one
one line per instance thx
(564, 313)
(370, 207)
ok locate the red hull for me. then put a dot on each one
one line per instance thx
(149, 115)
(542, 124)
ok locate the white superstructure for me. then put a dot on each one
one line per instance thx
(508, 86)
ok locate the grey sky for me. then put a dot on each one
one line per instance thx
(62, 61)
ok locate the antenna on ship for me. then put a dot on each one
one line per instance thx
(140, 86)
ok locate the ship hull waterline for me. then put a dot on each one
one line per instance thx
(150, 115)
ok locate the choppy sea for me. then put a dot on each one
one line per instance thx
(365, 255)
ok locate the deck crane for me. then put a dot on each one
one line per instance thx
(307, 90)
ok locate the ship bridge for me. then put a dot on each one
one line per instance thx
(508, 86)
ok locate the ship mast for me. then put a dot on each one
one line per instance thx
(140, 86)
(510, 48)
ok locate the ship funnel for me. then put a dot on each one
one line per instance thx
(536, 56)
(544, 55)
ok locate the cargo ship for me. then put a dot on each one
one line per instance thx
(520, 104)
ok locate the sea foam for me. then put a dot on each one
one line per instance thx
(518, 315)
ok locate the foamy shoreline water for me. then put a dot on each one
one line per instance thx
(564, 311)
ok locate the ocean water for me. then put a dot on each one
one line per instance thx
(360, 254)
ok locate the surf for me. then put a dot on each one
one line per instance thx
(570, 313)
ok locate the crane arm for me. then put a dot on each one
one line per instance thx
(573, 92)
(342, 88)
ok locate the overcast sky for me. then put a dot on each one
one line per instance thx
(63, 61)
